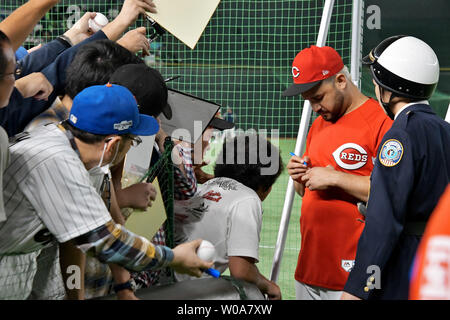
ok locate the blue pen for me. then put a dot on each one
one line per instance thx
(293, 154)
(213, 272)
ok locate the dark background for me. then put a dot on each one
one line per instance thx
(427, 20)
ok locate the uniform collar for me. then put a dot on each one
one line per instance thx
(410, 104)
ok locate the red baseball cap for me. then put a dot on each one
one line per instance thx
(311, 66)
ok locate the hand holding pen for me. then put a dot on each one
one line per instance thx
(297, 166)
(293, 154)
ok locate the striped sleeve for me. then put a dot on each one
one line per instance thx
(112, 243)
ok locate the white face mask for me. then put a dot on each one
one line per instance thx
(99, 169)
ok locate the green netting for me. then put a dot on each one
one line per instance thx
(61, 17)
(242, 61)
(163, 170)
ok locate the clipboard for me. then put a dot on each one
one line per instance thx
(191, 115)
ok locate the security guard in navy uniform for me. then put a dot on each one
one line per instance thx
(411, 171)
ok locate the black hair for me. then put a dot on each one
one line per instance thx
(3, 63)
(255, 162)
(146, 84)
(94, 64)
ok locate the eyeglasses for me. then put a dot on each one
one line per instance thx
(135, 140)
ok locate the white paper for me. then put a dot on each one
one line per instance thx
(185, 19)
(138, 158)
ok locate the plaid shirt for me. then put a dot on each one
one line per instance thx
(185, 186)
(145, 279)
(99, 282)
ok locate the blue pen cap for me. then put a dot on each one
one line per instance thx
(213, 272)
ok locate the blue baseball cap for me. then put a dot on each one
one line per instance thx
(110, 109)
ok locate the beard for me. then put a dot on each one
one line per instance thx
(338, 109)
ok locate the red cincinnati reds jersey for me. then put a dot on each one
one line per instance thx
(431, 272)
(330, 223)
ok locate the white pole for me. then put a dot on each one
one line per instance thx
(299, 146)
(355, 66)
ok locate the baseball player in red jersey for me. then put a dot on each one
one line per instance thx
(333, 175)
(431, 272)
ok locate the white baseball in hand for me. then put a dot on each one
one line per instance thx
(206, 251)
(98, 22)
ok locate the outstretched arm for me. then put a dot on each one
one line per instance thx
(112, 243)
(39, 59)
(20, 23)
(130, 11)
(244, 268)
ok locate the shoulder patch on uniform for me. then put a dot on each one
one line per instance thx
(391, 153)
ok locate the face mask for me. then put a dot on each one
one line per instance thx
(96, 171)
(99, 169)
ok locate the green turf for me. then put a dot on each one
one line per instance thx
(273, 206)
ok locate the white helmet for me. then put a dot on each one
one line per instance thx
(406, 66)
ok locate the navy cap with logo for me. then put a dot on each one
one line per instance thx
(110, 109)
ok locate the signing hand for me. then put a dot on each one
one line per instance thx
(296, 167)
(319, 178)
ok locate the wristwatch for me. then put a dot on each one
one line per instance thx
(130, 284)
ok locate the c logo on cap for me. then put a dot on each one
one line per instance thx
(295, 72)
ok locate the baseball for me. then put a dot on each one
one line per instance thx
(98, 22)
(206, 251)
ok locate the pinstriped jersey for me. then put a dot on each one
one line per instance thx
(47, 193)
(4, 156)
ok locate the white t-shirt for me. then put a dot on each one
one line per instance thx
(46, 186)
(227, 214)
